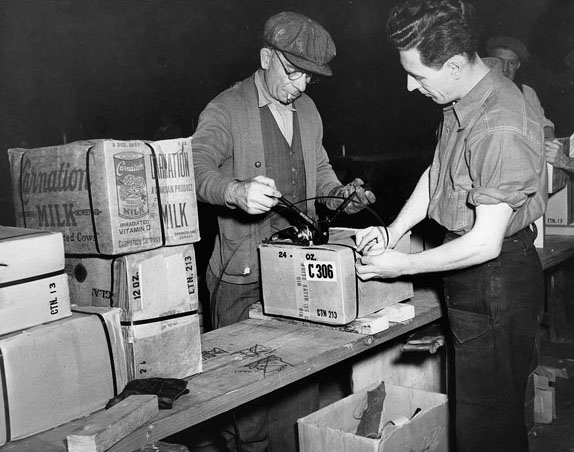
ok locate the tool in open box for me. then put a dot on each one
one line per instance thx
(308, 231)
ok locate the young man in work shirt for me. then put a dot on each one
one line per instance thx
(485, 186)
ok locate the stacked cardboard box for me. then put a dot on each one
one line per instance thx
(157, 293)
(33, 286)
(59, 371)
(55, 365)
(559, 215)
(108, 197)
(128, 214)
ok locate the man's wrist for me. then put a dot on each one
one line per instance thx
(229, 194)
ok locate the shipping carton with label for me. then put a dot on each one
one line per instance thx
(318, 283)
(108, 197)
(157, 292)
(54, 373)
(33, 286)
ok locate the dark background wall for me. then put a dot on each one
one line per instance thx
(72, 70)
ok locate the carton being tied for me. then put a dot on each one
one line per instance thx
(319, 284)
(108, 197)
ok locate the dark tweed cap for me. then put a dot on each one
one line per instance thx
(510, 43)
(304, 42)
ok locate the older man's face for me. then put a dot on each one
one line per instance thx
(509, 59)
(439, 85)
(276, 77)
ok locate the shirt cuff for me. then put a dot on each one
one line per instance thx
(489, 196)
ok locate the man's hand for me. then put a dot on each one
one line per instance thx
(255, 196)
(555, 154)
(362, 198)
(375, 239)
(388, 264)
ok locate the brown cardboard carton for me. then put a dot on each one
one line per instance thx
(332, 429)
(108, 197)
(168, 347)
(146, 284)
(318, 283)
(60, 371)
(33, 288)
(157, 292)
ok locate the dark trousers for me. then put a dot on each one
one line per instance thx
(494, 311)
(268, 423)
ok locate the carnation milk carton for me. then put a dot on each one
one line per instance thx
(108, 197)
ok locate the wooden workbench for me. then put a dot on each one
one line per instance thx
(250, 359)
(558, 249)
(243, 362)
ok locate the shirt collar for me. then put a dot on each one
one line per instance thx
(264, 98)
(466, 108)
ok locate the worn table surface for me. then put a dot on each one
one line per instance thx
(557, 249)
(241, 363)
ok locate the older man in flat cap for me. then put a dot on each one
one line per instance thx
(255, 142)
(512, 54)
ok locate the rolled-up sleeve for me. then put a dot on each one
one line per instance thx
(503, 168)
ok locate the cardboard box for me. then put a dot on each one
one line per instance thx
(332, 429)
(108, 197)
(157, 292)
(33, 288)
(168, 347)
(318, 283)
(57, 372)
(144, 285)
(560, 207)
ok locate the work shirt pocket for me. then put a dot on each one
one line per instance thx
(451, 210)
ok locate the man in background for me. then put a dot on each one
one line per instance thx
(555, 154)
(485, 187)
(255, 142)
(513, 54)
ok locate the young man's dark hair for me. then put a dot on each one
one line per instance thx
(438, 29)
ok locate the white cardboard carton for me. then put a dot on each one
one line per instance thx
(332, 429)
(33, 286)
(318, 283)
(108, 197)
(60, 371)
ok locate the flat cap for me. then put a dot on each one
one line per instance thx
(303, 41)
(510, 43)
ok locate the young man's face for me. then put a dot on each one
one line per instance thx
(509, 60)
(439, 84)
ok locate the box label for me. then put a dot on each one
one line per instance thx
(322, 271)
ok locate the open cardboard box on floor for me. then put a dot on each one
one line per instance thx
(332, 429)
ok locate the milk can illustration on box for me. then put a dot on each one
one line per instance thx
(131, 185)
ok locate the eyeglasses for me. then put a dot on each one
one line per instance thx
(295, 74)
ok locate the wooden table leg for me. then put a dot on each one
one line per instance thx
(555, 313)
